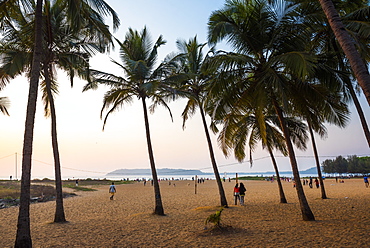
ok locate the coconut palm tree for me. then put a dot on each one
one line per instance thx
(67, 50)
(84, 11)
(354, 17)
(245, 127)
(193, 84)
(270, 59)
(242, 124)
(348, 46)
(331, 109)
(74, 60)
(143, 81)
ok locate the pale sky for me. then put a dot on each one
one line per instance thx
(87, 151)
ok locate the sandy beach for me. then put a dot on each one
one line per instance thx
(343, 220)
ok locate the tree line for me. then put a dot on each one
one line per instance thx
(293, 67)
(350, 165)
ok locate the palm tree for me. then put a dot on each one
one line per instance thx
(270, 59)
(4, 104)
(60, 52)
(239, 130)
(243, 124)
(74, 60)
(347, 44)
(75, 15)
(23, 237)
(143, 81)
(193, 83)
(353, 14)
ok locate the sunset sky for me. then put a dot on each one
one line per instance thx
(87, 151)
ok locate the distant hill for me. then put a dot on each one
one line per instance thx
(179, 172)
(312, 170)
(160, 172)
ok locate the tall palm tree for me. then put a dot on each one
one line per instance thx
(73, 59)
(59, 52)
(193, 84)
(347, 44)
(23, 237)
(270, 58)
(75, 15)
(143, 81)
(354, 17)
(332, 110)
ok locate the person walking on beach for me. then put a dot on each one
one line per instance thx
(242, 190)
(317, 183)
(310, 183)
(236, 194)
(112, 190)
(366, 181)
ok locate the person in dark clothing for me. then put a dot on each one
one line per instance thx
(242, 190)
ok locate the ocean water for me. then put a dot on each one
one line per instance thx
(171, 176)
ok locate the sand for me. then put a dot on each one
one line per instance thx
(343, 220)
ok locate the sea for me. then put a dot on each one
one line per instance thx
(209, 176)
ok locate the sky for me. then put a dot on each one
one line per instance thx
(87, 151)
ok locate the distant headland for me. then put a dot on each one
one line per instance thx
(161, 172)
(179, 172)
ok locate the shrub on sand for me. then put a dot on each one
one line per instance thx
(215, 219)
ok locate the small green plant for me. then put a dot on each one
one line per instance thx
(215, 218)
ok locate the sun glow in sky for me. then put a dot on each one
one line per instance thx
(87, 151)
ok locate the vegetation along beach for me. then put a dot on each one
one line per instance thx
(272, 78)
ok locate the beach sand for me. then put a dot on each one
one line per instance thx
(343, 220)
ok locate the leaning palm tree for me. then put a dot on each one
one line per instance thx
(347, 44)
(143, 81)
(354, 17)
(193, 83)
(85, 11)
(270, 59)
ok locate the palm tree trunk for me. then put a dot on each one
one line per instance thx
(59, 208)
(281, 190)
(307, 214)
(357, 64)
(158, 200)
(213, 160)
(360, 112)
(23, 236)
(322, 187)
(352, 92)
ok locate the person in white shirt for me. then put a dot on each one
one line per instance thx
(112, 190)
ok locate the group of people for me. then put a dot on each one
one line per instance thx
(239, 193)
(310, 182)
